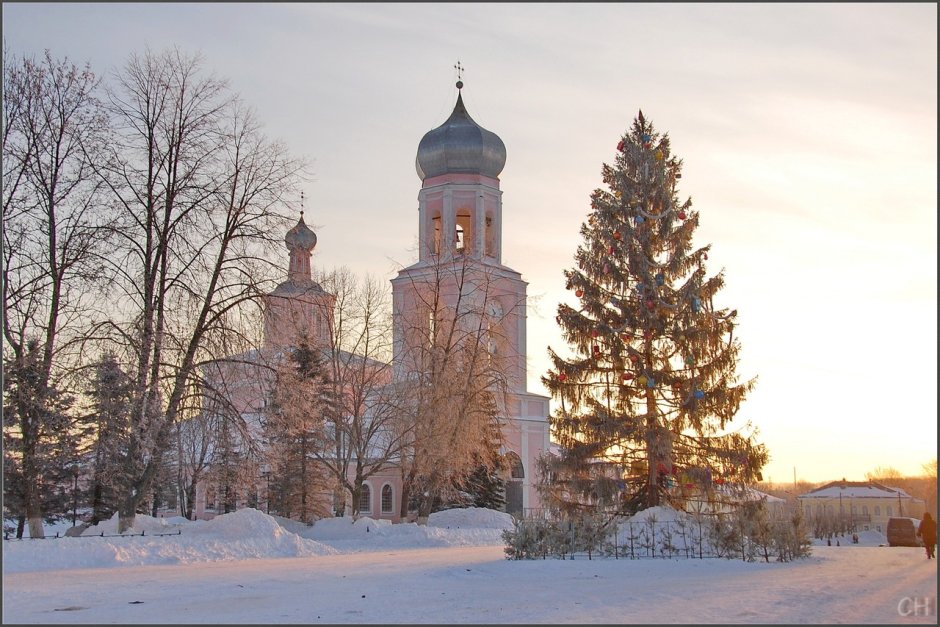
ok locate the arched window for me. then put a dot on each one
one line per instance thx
(864, 510)
(464, 237)
(888, 510)
(386, 499)
(877, 510)
(516, 467)
(365, 499)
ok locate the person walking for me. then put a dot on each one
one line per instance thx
(927, 530)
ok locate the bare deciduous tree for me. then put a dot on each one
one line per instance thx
(360, 362)
(453, 363)
(198, 186)
(53, 128)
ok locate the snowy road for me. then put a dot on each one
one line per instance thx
(477, 585)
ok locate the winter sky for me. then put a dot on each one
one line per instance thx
(808, 134)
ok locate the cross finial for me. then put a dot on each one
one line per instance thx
(459, 69)
(301, 204)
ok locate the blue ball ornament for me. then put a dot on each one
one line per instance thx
(696, 305)
(660, 279)
(698, 394)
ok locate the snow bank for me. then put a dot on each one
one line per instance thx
(244, 534)
(471, 517)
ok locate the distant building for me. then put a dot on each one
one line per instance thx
(863, 505)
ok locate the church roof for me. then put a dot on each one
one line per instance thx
(460, 145)
(292, 288)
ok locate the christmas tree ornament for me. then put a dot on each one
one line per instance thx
(660, 278)
(696, 305)
(640, 219)
(562, 377)
(626, 376)
(633, 358)
(617, 235)
(682, 215)
(594, 333)
(610, 250)
(705, 256)
(659, 155)
(579, 293)
(650, 382)
(641, 380)
(620, 145)
(606, 269)
(646, 137)
(699, 395)
(650, 304)
(597, 349)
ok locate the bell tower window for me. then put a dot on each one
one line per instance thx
(490, 236)
(435, 243)
(463, 242)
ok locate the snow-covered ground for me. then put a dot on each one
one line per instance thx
(248, 567)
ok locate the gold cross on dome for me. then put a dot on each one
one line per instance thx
(459, 69)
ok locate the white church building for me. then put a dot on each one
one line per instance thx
(460, 233)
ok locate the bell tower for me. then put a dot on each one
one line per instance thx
(460, 251)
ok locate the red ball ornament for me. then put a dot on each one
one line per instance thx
(579, 293)
(627, 376)
(682, 215)
(562, 377)
(650, 304)
(594, 333)
(620, 145)
(617, 235)
(610, 250)
(705, 256)
(633, 358)
(597, 348)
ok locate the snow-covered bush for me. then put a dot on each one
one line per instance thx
(749, 533)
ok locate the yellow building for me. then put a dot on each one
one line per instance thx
(864, 505)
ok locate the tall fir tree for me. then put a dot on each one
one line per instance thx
(296, 425)
(111, 394)
(648, 396)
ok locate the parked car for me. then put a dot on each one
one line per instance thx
(903, 532)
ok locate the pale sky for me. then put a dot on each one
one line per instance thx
(808, 134)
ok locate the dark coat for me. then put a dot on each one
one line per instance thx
(928, 531)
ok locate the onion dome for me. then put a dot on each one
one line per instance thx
(301, 237)
(460, 145)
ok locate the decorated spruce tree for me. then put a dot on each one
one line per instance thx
(646, 402)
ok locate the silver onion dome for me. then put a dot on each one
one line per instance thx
(301, 236)
(460, 145)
